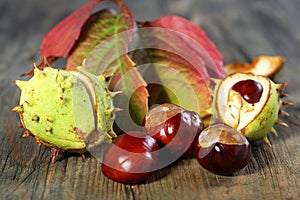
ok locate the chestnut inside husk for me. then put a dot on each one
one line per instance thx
(250, 90)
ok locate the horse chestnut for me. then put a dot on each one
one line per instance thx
(221, 149)
(249, 89)
(249, 103)
(130, 158)
(173, 127)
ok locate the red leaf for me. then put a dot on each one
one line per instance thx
(59, 41)
(183, 26)
(177, 60)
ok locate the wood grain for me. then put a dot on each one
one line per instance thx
(241, 30)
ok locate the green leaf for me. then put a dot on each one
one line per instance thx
(172, 79)
(109, 37)
(98, 28)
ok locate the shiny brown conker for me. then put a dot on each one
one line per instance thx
(173, 127)
(221, 149)
(250, 90)
(131, 158)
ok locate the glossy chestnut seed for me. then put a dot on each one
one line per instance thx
(249, 89)
(130, 158)
(173, 127)
(222, 150)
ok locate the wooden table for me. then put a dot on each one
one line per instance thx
(241, 29)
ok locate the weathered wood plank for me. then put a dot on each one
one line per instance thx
(241, 30)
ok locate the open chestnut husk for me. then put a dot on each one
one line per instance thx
(221, 149)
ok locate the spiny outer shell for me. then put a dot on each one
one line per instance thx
(103, 108)
(261, 122)
(57, 109)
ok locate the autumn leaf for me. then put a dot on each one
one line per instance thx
(194, 32)
(112, 34)
(177, 60)
(98, 28)
(59, 41)
(194, 42)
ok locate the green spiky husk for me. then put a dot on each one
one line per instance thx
(57, 108)
(263, 122)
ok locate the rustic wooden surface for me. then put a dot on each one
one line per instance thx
(241, 29)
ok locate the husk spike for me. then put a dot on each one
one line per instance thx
(19, 109)
(267, 141)
(26, 134)
(21, 84)
(109, 110)
(287, 103)
(282, 123)
(118, 110)
(282, 112)
(283, 95)
(274, 131)
(281, 86)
